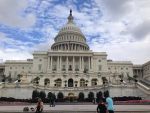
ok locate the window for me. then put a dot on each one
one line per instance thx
(99, 67)
(10, 67)
(82, 83)
(76, 68)
(70, 67)
(9, 73)
(15, 73)
(63, 67)
(94, 82)
(54, 67)
(40, 66)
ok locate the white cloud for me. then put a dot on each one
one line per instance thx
(11, 13)
(16, 51)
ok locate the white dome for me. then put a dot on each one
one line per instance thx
(70, 37)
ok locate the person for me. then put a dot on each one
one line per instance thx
(39, 107)
(101, 107)
(109, 102)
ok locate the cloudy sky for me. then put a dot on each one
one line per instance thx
(119, 27)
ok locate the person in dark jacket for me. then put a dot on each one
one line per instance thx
(39, 107)
(101, 107)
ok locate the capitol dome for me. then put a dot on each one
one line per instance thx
(70, 38)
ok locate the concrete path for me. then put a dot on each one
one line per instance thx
(83, 108)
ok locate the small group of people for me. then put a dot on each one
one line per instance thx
(40, 106)
(107, 106)
(52, 102)
(103, 107)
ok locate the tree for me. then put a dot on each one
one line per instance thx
(106, 94)
(60, 96)
(91, 96)
(42, 95)
(35, 94)
(99, 96)
(81, 96)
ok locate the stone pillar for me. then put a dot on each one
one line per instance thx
(83, 63)
(48, 62)
(60, 63)
(89, 63)
(51, 63)
(80, 63)
(67, 63)
(73, 67)
(57, 63)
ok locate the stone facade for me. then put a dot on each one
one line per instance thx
(146, 71)
(69, 63)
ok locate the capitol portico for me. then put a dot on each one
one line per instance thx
(69, 63)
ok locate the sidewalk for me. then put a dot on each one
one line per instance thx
(80, 108)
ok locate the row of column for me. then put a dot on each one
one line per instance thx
(70, 46)
(59, 63)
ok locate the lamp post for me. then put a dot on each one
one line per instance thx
(121, 80)
(104, 85)
(135, 81)
(37, 83)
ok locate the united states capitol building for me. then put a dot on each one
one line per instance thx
(70, 63)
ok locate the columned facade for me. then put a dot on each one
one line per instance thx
(69, 63)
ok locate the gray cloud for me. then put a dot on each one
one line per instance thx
(141, 30)
(11, 13)
(115, 9)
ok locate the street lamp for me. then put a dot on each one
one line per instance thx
(135, 81)
(121, 85)
(37, 83)
(104, 85)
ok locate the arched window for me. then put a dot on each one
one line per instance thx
(58, 82)
(46, 82)
(82, 82)
(94, 82)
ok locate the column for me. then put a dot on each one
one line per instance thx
(57, 63)
(60, 63)
(83, 63)
(80, 63)
(48, 63)
(89, 63)
(51, 63)
(73, 67)
(67, 63)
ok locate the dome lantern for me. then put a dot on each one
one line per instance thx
(70, 17)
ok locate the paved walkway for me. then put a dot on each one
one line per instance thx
(83, 108)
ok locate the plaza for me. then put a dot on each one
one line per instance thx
(78, 108)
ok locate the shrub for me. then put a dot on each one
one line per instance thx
(60, 96)
(35, 94)
(90, 96)
(50, 95)
(81, 97)
(99, 96)
(42, 95)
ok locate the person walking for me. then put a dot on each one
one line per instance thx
(109, 102)
(101, 107)
(39, 106)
